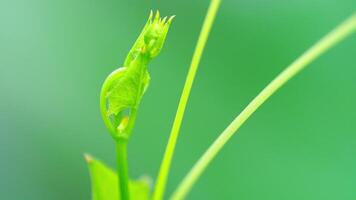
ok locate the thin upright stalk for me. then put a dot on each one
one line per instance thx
(167, 158)
(122, 169)
(334, 37)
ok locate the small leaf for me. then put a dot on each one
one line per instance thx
(123, 89)
(105, 183)
(127, 90)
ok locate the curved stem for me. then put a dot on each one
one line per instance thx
(167, 158)
(108, 81)
(122, 169)
(330, 40)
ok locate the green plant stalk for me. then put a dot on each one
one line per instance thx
(122, 162)
(330, 40)
(122, 169)
(124, 88)
(167, 158)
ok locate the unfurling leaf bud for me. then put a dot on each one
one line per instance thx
(123, 89)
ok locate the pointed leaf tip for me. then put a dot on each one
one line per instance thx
(150, 16)
(88, 158)
(164, 20)
(157, 16)
(170, 19)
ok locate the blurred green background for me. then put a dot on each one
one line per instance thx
(54, 56)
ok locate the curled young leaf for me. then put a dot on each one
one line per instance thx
(123, 89)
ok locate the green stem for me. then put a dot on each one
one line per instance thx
(121, 155)
(122, 169)
(167, 158)
(330, 40)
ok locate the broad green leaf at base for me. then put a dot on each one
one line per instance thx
(104, 183)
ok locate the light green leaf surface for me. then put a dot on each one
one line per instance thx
(105, 183)
(123, 89)
(127, 90)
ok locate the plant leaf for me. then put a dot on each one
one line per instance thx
(123, 89)
(105, 183)
(127, 90)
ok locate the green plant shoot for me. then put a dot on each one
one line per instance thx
(123, 89)
(170, 148)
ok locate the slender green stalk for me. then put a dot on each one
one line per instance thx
(167, 158)
(333, 38)
(124, 88)
(122, 169)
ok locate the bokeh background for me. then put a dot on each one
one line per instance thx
(54, 56)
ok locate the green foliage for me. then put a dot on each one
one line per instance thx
(151, 39)
(122, 92)
(120, 97)
(123, 89)
(105, 183)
